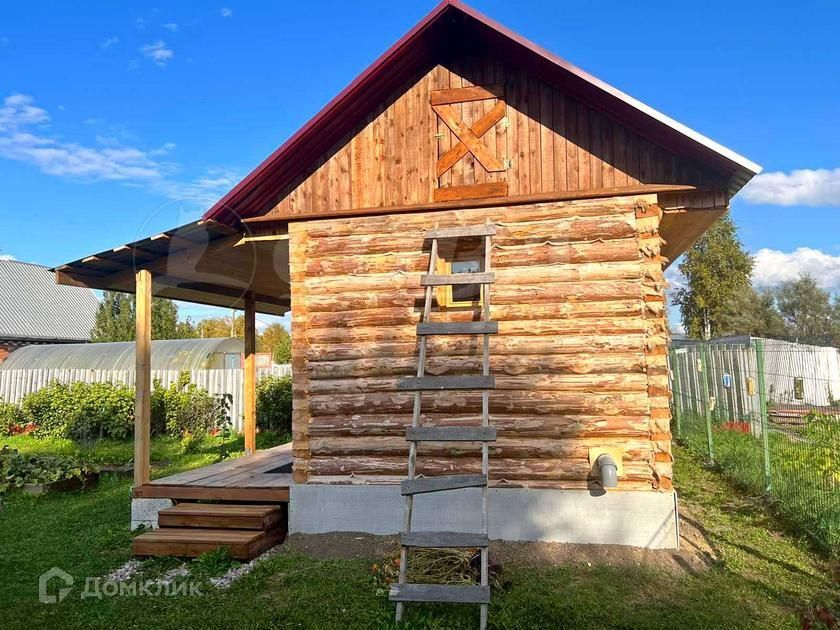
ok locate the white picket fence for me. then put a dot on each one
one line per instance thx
(16, 384)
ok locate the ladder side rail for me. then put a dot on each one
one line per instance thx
(415, 421)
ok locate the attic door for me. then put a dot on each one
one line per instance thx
(471, 145)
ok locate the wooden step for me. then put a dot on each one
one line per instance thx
(222, 516)
(458, 328)
(461, 232)
(456, 279)
(443, 539)
(454, 593)
(438, 383)
(191, 542)
(450, 434)
(441, 483)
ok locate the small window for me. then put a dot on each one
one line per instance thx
(460, 256)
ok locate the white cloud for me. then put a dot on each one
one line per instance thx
(7, 257)
(205, 189)
(226, 12)
(801, 187)
(158, 52)
(108, 42)
(170, 26)
(773, 267)
(25, 137)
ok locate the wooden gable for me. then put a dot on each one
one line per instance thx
(546, 141)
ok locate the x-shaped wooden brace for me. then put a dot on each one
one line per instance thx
(470, 138)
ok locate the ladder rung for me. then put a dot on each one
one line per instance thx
(458, 328)
(437, 383)
(450, 434)
(443, 539)
(456, 232)
(439, 484)
(451, 593)
(457, 279)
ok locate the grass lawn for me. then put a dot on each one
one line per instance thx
(761, 578)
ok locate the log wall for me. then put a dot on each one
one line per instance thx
(579, 359)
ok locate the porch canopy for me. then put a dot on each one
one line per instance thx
(205, 262)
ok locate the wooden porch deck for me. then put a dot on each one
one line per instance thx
(248, 478)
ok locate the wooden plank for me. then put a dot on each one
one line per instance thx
(205, 493)
(450, 593)
(466, 94)
(220, 516)
(461, 232)
(446, 279)
(450, 434)
(250, 374)
(500, 201)
(143, 377)
(441, 483)
(479, 128)
(465, 134)
(192, 542)
(471, 191)
(440, 383)
(458, 328)
(439, 540)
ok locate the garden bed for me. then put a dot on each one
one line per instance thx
(89, 480)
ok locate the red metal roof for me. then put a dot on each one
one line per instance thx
(423, 46)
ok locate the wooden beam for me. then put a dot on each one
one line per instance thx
(466, 135)
(479, 128)
(471, 191)
(465, 94)
(488, 202)
(143, 378)
(250, 375)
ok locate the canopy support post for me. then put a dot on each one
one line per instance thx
(250, 374)
(143, 377)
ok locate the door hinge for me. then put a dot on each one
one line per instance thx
(507, 163)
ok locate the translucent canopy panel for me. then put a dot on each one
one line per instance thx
(174, 354)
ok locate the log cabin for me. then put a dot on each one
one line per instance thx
(462, 123)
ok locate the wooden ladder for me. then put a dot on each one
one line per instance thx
(402, 591)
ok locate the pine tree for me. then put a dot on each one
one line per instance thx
(716, 269)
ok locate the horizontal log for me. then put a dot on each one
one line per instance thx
(537, 274)
(500, 346)
(500, 468)
(536, 328)
(360, 309)
(510, 425)
(507, 482)
(590, 363)
(537, 254)
(528, 382)
(403, 223)
(501, 402)
(503, 447)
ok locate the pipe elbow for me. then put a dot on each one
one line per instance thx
(608, 470)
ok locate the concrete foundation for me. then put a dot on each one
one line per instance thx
(144, 512)
(639, 519)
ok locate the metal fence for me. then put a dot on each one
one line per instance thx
(765, 412)
(16, 384)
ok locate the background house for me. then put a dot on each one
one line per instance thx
(35, 310)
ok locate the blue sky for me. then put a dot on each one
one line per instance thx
(118, 120)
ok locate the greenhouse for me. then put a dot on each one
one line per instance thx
(174, 354)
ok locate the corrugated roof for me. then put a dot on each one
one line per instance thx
(33, 306)
(171, 354)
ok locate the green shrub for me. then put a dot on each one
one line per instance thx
(10, 416)
(184, 409)
(274, 404)
(81, 411)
